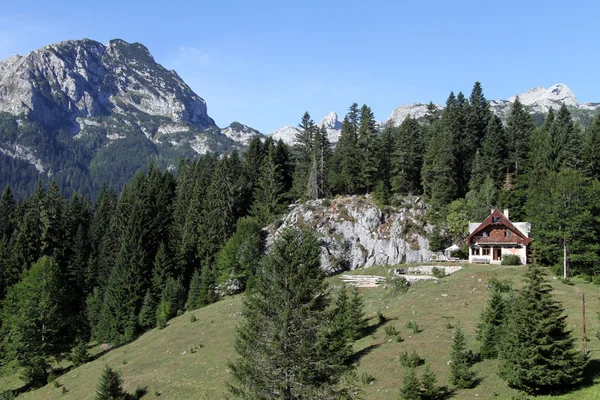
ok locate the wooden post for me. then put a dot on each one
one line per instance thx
(584, 331)
(565, 259)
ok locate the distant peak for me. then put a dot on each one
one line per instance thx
(331, 121)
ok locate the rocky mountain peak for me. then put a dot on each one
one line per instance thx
(331, 121)
(240, 133)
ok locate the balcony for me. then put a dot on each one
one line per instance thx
(497, 240)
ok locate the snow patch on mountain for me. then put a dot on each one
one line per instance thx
(541, 99)
(287, 134)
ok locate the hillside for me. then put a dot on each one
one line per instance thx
(162, 360)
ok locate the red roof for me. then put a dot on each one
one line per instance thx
(503, 221)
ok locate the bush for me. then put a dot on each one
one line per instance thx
(511, 259)
(584, 277)
(413, 326)
(381, 319)
(503, 286)
(398, 285)
(596, 280)
(193, 318)
(438, 272)
(412, 360)
(366, 378)
(390, 331)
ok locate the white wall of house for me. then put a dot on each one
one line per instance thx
(520, 251)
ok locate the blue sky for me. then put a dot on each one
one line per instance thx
(264, 63)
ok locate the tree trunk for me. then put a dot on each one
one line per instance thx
(565, 259)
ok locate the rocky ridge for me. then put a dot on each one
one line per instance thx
(356, 233)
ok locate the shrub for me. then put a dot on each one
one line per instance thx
(381, 319)
(390, 331)
(596, 280)
(398, 285)
(511, 259)
(413, 326)
(412, 360)
(585, 277)
(366, 378)
(502, 286)
(193, 318)
(438, 272)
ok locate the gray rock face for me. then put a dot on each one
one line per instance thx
(355, 233)
(85, 82)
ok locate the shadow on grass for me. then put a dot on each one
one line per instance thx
(590, 373)
(361, 353)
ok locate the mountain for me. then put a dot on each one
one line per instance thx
(240, 133)
(331, 123)
(538, 100)
(82, 112)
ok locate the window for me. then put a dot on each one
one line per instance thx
(485, 251)
(484, 234)
(475, 252)
(508, 233)
(495, 219)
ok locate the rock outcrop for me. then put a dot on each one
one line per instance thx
(356, 233)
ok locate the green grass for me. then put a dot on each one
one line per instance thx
(155, 360)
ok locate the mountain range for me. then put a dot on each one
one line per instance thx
(84, 113)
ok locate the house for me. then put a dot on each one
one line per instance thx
(496, 237)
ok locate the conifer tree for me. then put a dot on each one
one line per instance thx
(147, 317)
(194, 300)
(367, 143)
(281, 346)
(283, 160)
(438, 173)
(356, 316)
(162, 269)
(461, 374)
(489, 160)
(35, 321)
(518, 132)
(386, 150)
(346, 158)
(537, 354)
(489, 329)
(429, 384)
(110, 386)
(591, 149)
(407, 158)
(268, 193)
(172, 299)
(411, 387)
(304, 152)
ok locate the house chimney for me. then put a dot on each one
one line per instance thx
(506, 213)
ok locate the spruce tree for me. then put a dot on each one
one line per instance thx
(489, 329)
(194, 300)
(519, 129)
(269, 190)
(461, 374)
(407, 158)
(36, 322)
(429, 383)
(367, 143)
(172, 299)
(537, 354)
(438, 174)
(281, 345)
(346, 160)
(110, 386)
(304, 151)
(591, 149)
(356, 316)
(147, 317)
(411, 387)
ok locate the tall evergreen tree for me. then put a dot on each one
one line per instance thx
(281, 347)
(438, 173)
(367, 143)
(269, 190)
(304, 151)
(36, 321)
(518, 132)
(407, 158)
(489, 160)
(537, 353)
(194, 300)
(346, 157)
(591, 149)
(110, 386)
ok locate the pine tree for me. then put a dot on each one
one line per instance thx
(283, 160)
(537, 353)
(36, 322)
(281, 344)
(172, 299)
(411, 387)
(489, 329)
(461, 375)
(489, 160)
(162, 269)
(80, 353)
(110, 386)
(304, 151)
(194, 300)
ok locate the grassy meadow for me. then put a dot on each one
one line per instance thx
(188, 360)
